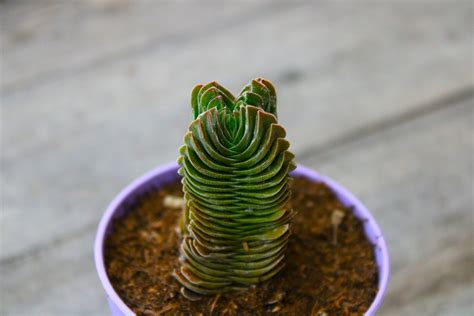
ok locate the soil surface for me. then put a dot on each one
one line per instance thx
(330, 271)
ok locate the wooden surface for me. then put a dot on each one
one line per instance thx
(377, 95)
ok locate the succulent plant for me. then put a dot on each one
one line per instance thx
(235, 165)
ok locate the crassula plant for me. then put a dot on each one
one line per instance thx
(235, 165)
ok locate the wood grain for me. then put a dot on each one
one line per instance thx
(59, 38)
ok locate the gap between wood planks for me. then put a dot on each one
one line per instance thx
(446, 101)
(451, 100)
(147, 46)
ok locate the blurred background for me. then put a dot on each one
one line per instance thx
(376, 94)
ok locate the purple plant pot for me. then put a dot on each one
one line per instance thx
(168, 173)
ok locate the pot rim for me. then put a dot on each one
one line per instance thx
(378, 240)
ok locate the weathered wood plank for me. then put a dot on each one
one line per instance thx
(60, 281)
(350, 77)
(42, 42)
(73, 143)
(441, 284)
(413, 177)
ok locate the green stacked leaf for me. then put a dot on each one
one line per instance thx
(235, 164)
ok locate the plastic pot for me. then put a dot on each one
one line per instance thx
(168, 173)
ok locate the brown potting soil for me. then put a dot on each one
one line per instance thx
(330, 268)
